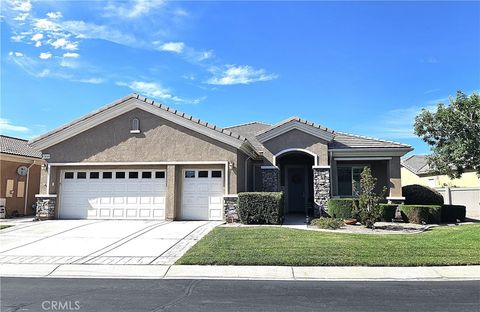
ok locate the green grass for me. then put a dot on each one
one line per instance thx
(458, 245)
(4, 226)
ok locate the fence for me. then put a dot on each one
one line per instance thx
(466, 196)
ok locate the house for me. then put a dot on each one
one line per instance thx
(415, 170)
(136, 158)
(20, 167)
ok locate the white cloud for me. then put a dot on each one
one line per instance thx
(205, 55)
(176, 47)
(6, 125)
(133, 9)
(92, 31)
(243, 74)
(38, 44)
(18, 54)
(64, 44)
(37, 37)
(71, 54)
(17, 38)
(21, 17)
(46, 25)
(54, 15)
(21, 5)
(155, 90)
(45, 56)
(91, 80)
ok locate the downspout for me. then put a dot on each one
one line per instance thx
(246, 173)
(26, 189)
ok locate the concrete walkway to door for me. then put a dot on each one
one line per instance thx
(121, 242)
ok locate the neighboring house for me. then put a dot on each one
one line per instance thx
(415, 170)
(20, 175)
(135, 158)
(463, 191)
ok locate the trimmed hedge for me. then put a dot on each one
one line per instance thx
(421, 213)
(387, 212)
(421, 195)
(452, 213)
(341, 208)
(260, 207)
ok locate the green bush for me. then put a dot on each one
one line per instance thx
(421, 195)
(327, 223)
(260, 207)
(421, 213)
(452, 213)
(387, 212)
(341, 208)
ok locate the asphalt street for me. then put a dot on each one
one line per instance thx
(55, 294)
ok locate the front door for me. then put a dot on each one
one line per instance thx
(296, 189)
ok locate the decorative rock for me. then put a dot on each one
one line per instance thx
(46, 206)
(321, 190)
(230, 204)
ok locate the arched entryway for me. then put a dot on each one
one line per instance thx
(296, 180)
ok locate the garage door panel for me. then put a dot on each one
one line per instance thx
(112, 198)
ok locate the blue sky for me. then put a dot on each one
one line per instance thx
(360, 67)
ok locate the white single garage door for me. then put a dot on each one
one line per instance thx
(112, 194)
(202, 193)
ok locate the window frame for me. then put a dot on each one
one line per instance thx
(351, 167)
(135, 125)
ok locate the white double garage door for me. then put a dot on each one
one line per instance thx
(138, 194)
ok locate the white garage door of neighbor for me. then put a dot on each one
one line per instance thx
(112, 194)
(202, 193)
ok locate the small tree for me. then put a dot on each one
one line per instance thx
(368, 206)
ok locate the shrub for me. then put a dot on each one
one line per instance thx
(341, 208)
(387, 212)
(327, 223)
(260, 207)
(421, 213)
(368, 205)
(452, 213)
(421, 195)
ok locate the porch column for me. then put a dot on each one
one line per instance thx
(46, 201)
(321, 189)
(270, 178)
(395, 181)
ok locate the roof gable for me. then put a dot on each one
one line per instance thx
(134, 101)
(297, 124)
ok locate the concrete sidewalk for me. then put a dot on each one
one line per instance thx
(242, 272)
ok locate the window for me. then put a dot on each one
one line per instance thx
(160, 175)
(120, 175)
(146, 175)
(20, 188)
(203, 174)
(107, 175)
(68, 175)
(189, 174)
(216, 173)
(135, 128)
(348, 180)
(81, 175)
(94, 175)
(133, 175)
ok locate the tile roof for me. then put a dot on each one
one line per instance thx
(16, 146)
(417, 164)
(250, 130)
(148, 101)
(347, 140)
(304, 121)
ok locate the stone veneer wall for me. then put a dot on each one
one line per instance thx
(46, 207)
(321, 190)
(270, 179)
(230, 205)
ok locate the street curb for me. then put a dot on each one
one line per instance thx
(280, 273)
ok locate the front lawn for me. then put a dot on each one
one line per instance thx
(4, 226)
(455, 245)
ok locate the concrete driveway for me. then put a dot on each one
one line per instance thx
(100, 241)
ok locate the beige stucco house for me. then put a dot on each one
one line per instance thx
(415, 170)
(136, 158)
